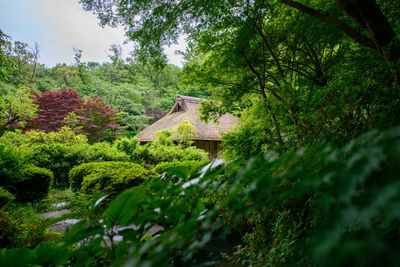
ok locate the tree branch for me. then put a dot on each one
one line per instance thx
(326, 17)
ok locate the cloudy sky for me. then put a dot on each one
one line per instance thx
(60, 25)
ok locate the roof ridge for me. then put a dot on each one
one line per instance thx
(190, 98)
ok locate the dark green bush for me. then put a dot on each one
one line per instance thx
(107, 176)
(27, 182)
(333, 207)
(77, 173)
(35, 184)
(61, 158)
(11, 164)
(5, 197)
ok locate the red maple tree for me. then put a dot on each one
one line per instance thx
(96, 120)
(53, 107)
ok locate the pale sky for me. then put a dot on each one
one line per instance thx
(59, 25)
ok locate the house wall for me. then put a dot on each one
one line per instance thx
(212, 147)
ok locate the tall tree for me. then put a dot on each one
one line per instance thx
(5, 52)
(96, 120)
(15, 109)
(22, 56)
(151, 63)
(35, 57)
(80, 66)
(53, 107)
(294, 63)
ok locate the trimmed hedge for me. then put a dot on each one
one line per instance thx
(35, 185)
(155, 153)
(107, 176)
(11, 164)
(61, 158)
(5, 197)
(190, 165)
(162, 153)
(77, 173)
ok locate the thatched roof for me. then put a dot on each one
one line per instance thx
(186, 108)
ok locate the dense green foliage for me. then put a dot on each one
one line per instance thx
(25, 181)
(127, 145)
(11, 164)
(190, 165)
(61, 158)
(114, 177)
(163, 149)
(316, 72)
(64, 136)
(15, 109)
(35, 184)
(77, 173)
(302, 208)
(106, 176)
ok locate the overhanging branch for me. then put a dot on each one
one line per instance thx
(326, 17)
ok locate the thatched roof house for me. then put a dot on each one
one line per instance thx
(186, 108)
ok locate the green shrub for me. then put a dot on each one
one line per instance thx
(153, 154)
(63, 136)
(161, 150)
(160, 154)
(27, 182)
(35, 184)
(13, 139)
(138, 153)
(190, 165)
(77, 174)
(61, 158)
(114, 177)
(5, 197)
(127, 145)
(11, 164)
(107, 176)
